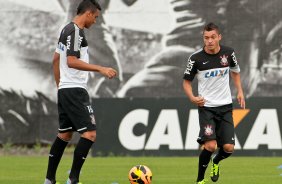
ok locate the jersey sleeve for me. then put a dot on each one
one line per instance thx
(72, 44)
(58, 45)
(234, 66)
(191, 70)
(57, 50)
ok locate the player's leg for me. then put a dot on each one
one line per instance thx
(82, 116)
(204, 159)
(207, 137)
(55, 156)
(80, 154)
(225, 140)
(223, 153)
(60, 143)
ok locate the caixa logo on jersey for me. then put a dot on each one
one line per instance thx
(217, 73)
(261, 129)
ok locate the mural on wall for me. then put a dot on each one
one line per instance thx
(252, 27)
(148, 42)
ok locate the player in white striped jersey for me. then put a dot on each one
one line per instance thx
(71, 69)
(212, 66)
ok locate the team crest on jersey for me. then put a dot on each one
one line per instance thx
(208, 130)
(224, 61)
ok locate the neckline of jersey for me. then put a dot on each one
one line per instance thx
(220, 47)
(76, 25)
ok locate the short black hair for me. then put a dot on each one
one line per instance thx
(211, 26)
(85, 5)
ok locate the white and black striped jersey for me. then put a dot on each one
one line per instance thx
(72, 42)
(212, 71)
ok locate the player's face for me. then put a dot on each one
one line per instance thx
(211, 40)
(91, 18)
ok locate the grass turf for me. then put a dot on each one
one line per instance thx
(166, 170)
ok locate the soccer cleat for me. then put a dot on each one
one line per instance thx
(202, 182)
(47, 181)
(214, 171)
(72, 182)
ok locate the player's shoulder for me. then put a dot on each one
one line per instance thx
(197, 54)
(226, 49)
(68, 29)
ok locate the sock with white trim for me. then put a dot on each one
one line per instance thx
(79, 156)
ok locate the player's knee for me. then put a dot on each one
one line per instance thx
(211, 146)
(91, 135)
(228, 148)
(66, 136)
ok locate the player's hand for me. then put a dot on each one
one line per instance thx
(108, 72)
(241, 100)
(198, 100)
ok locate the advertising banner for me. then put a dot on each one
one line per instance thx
(165, 127)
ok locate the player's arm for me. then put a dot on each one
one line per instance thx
(56, 67)
(189, 74)
(74, 62)
(235, 75)
(187, 85)
(237, 82)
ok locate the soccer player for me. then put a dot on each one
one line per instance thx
(212, 65)
(71, 69)
(102, 51)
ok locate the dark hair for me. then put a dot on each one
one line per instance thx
(210, 27)
(85, 5)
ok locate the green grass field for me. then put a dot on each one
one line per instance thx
(166, 170)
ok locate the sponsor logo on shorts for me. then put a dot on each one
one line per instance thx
(90, 110)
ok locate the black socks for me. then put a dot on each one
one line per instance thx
(204, 160)
(80, 154)
(55, 156)
(220, 156)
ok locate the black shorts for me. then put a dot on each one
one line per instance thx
(75, 111)
(216, 123)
